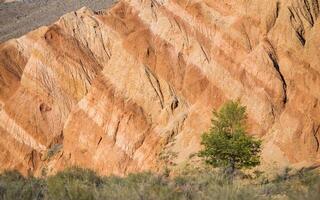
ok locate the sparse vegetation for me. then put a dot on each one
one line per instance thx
(13, 186)
(53, 151)
(227, 143)
(76, 183)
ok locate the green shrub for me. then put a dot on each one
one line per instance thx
(139, 186)
(298, 186)
(14, 186)
(73, 184)
(207, 184)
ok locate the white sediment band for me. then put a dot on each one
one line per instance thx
(18, 133)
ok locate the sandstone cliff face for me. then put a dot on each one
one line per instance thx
(132, 88)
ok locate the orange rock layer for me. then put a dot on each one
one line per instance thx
(132, 88)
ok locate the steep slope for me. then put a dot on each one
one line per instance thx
(132, 88)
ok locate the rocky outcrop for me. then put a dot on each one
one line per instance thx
(132, 88)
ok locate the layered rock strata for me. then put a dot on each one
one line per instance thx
(132, 88)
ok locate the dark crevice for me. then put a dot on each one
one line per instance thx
(174, 104)
(315, 131)
(316, 8)
(303, 15)
(277, 9)
(99, 12)
(156, 87)
(277, 68)
(306, 12)
(32, 158)
(205, 53)
(296, 24)
(99, 141)
(115, 134)
(43, 107)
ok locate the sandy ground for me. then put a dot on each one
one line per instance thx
(19, 17)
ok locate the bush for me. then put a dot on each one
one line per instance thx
(14, 186)
(207, 185)
(298, 186)
(139, 186)
(73, 184)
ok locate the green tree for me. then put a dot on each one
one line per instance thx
(227, 143)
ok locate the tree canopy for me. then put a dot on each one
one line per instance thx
(227, 144)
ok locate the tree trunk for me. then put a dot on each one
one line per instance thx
(232, 167)
(229, 171)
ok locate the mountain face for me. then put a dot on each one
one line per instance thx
(132, 88)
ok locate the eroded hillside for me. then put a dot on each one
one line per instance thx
(132, 88)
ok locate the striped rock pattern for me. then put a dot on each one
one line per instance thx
(132, 88)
